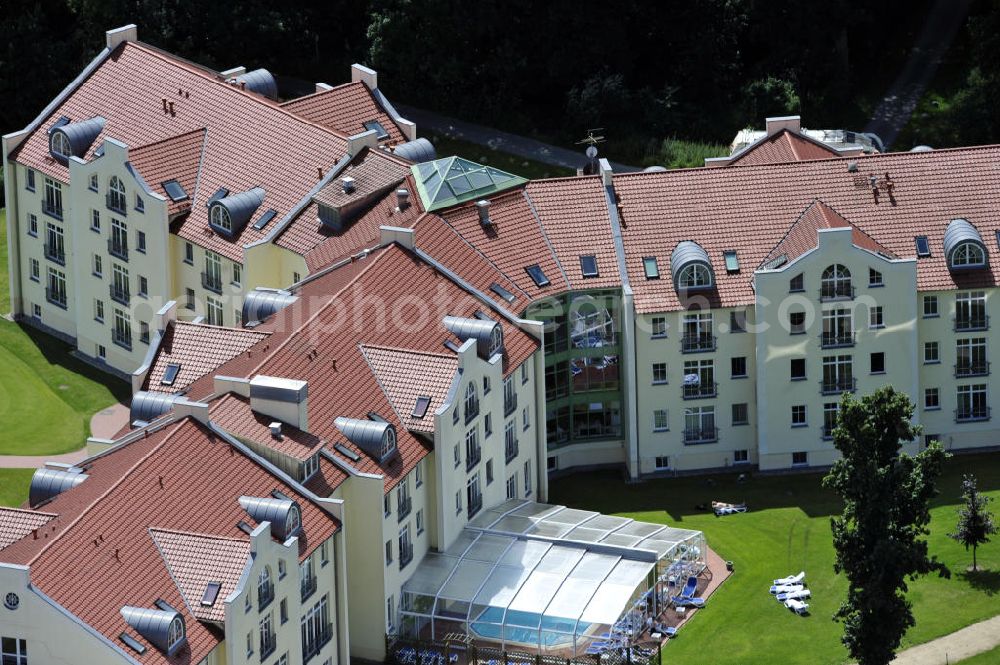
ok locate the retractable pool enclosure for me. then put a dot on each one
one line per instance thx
(546, 578)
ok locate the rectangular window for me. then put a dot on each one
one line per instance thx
(739, 367)
(798, 369)
(931, 353)
(659, 373)
(140, 241)
(52, 205)
(472, 449)
(797, 323)
(283, 612)
(878, 363)
(95, 221)
(489, 472)
(34, 269)
(418, 474)
(838, 328)
(524, 373)
(799, 415)
(662, 463)
(420, 521)
(659, 326)
(875, 278)
(838, 375)
(33, 225)
(140, 205)
(188, 253)
(144, 332)
(972, 403)
(55, 244)
(527, 478)
(875, 317)
(55, 291)
(122, 333)
(741, 414)
(390, 613)
(388, 552)
(970, 311)
(458, 501)
(588, 266)
(930, 306)
(213, 308)
(387, 504)
(212, 277)
(932, 399)
(732, 261)
(800, 459)
(699, 425)
(119, 239)
(30, 184)
(237, 274)
(970, 357)
(830, 411)
(98, 265)
(488, 424)
(738, 321)
(699, 379)
(741, 456)
(512, 487)
(143, 286)
(296, 278)
(93, 182)
(510, 441)
(189, 298)
(698, 335)
(796, 284)
(923, 246)
(660, 422)
(458, 454)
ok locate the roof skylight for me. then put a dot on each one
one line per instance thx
(453, 180)
(502, 292)
(174, 190)
(380, 132)
(650, 266)
(420, 408)
(732, 261)
(211, 593)
(270, 214)
(170, 374)
(588, 265)
(923, 247)
(537, 276)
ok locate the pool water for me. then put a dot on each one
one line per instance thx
(523, 628)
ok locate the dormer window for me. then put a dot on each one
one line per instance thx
(968, 255)
(230, 213)
(175, 634)
(59, 145)
(388, 442)
(219, 218)
(68, 139)
(496, 341)
(691, 267)
(963, 246)
(695, 277)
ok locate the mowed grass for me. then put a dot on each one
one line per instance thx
(991, 657)
(14, 486)
(788, 530)
(47, 396)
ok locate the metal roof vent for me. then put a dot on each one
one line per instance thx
(276, 430)
(402, 199)
(260, 81)
(376, 438)
(284, 515)
(163, 628)
(47, 483)
(852, 167)
(147, 405)
(261, 303)
(487, 333)
(347, 182)
(73, 139)
(483, 207)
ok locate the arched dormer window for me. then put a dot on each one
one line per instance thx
(471, 402)
(496, 340)
(59, 145)
(388, 441)
(836, 283)
(691, 267)
(116, 195)
(175, 633)
(695, 276)
(220, 217)
(968, 255)
(293, 520)
(963, 246)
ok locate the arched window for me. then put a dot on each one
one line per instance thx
(496, 340)
(968, 254)
(836, 282)
(175, 632)
(116, 194)
(220, 217)
(388, 442)
(471, 402)
(59, 145)
(695, 276)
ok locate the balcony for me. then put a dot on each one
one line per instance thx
(268, 643)
(405, 554)
(264, 597)
(52, 210)
(509, 404)
(510, 452)
(838, 386)
(837, 291)
(122, 339)
(472, 458)
(211, 282)
(475, 504)
(972, 415)
(119, 293)
(696, 435)
(55, 253)
(116, 203)
(698, 343)
(118, 247)
(967, 369)
(837, 340)
(403, 508)
(311, 648)
(971, 323)
(307, 587)
(56, 297)
(701, 391)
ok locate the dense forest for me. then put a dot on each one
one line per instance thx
(645, 71)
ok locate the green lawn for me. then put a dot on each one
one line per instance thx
(46, 395)
(991, 657)
(527, 168)
(787, 530)
(14, 486)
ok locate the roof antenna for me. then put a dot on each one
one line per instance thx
(591, 142)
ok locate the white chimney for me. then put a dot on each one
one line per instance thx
(483, 207)
(348, 184)
(605, 167)
(402, 199)
(286, 400)
(275, 428)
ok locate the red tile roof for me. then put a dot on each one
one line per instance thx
(345, 109)
(182, 478)
(250, 141)
(15, 524)
(783, 146)
(233, 413)
(373, 172)
(327, 480)
(193, 560)
(802, 236)
(175, 158)
(405, 375)
(198, 349)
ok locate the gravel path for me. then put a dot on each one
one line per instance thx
(950, 649)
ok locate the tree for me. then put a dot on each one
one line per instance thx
(878, 537)
(975, 523)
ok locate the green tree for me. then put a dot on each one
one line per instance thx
(975, 522)
(879, 536)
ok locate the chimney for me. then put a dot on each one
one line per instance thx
(348, 184)
(281, 399)
(358, 142)
(606, 173)
(792, 123)
(402, 199)
(276, 430)
(483, 207)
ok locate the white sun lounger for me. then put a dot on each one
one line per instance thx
(786, 588)
(797, 606)
(801, 594)
(792, 579)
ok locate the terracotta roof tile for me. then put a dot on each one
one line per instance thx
(15, 524)
(783, 146)
(325, 482)
(373, 175)
(405, 375)
(198, 349)
(176, 158)
(194, 560)
(233, 414)
(345, 109)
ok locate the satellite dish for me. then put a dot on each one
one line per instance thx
(591, 151)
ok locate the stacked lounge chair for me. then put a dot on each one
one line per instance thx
(792, 592)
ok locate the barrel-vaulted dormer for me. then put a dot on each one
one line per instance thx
(691, 267)
(229, 214)
(487, 333)
(284, 515)
(162, 627)
(260, 81)
(376, 437)
(963, 246)
(47, 483)
(73, 139)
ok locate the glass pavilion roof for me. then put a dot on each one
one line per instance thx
(452, 180)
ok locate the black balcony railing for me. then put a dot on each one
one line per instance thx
(122, 339)
(55, 253)
(968, 323)
(472, 458)
(52, 210)
(837, 291)
(118, 247)
(119, 293)
(701, 390)
(509, 404)
(403, 508)
(475, 504)
(838, 386)
(211, 282)
(307, 587)
(695, 435)
(405, 554)
(264, 597)
(966, 369)
(971, 415)
(833, 340)
(312, 647)
(698, 342)
(56, 297)
(116, 203)
(510, 452)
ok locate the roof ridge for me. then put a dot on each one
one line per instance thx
(855, 227)
(378, 381)
(195, 534)
(226, 328)
(410, 352)
(27, 511)
(118, 481)
(320, 93)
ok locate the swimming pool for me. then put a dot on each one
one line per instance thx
(523, 628)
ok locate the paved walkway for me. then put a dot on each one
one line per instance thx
(104, 424)
(498, 140)
(943, 22)
(950, 649)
